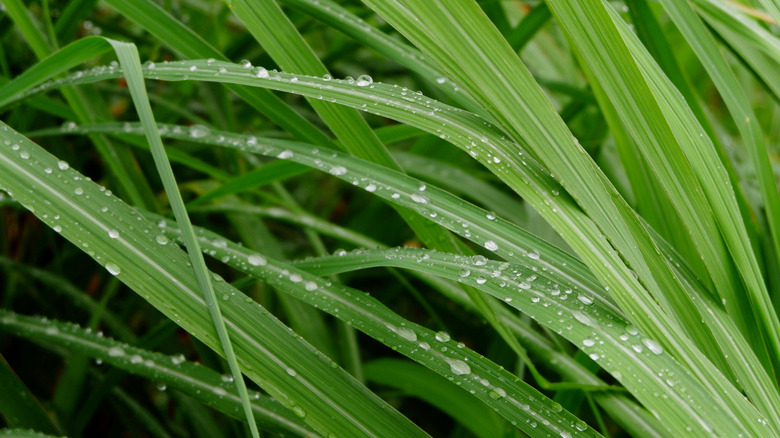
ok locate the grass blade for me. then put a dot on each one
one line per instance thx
(131, 64)
(159, 273)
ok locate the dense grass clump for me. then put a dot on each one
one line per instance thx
(384, 218)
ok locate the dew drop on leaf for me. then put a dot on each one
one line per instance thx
(364, 81)
(443, 336)
(458, 367)
(260, 72)
(113, 269)
(199, 131)
(256, 260)
(653, 346)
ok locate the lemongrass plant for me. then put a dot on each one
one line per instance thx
(573, 205)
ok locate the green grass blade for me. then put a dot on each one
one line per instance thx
(195, 380)
(131, 65)
(158, 272)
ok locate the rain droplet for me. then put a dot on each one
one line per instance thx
(260, 72)
(285, 154)
(63, 165)
(584, 299)
(114, 234)
(407, 334)
(420, 199)
(162, 240)
(443, 336)
(364, 81)
(491, 246)
(653, 346)
(199, 131)
(256, 260)
(458, 367)
(338, 170)
(113, 269)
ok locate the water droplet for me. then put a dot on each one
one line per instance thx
(533, 255)
(161, 239)
(338, 170)
(299, 411)
(116, 352)
(491, 246)
(113, 269)
(114, 234)
(584, 299)
(310, 286)
(227, 378)
(256, 260)
(441, 80)
(260, 72)
(407, 334)
(78, 191)
(420, 199)
(285, 154)
(295, 277)
(193, 68)
(653, 346)
(458, 367)
(479, 260)
(588, 342)
(25, 155)
(371, 188)
(63, 165)
(443, 336)
(245, 63)
(497, 393)
(199, 131)
(364, 81)
(291, 372)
